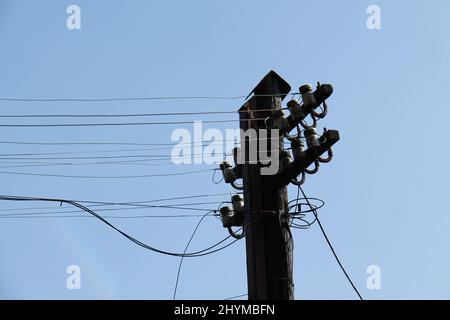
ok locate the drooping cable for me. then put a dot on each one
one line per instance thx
(206, 251)
(184, 252)
(330, 245)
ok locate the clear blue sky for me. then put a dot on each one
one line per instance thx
(386, 191)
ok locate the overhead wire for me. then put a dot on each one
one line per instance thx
(184, 206)
(118, 143)
(106, 177)
(129, 115)
(184, 252)
(211, 249)
(236, 297)
(100, 124)
(112, 99)
(107, 217)
(130, 204)
(330, 245)
(154, 200)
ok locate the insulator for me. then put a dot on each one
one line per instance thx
(228, 173)
(227, 216)
(281, 124)
(297, 147)
(277, 120)
(238, 202)
(312, 138)
(277, 113)
(308, 95)
(295, 109)
(285, 157)
(323, 91)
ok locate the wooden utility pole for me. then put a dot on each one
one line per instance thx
(268, 238)
(263, 212)
(269, 242)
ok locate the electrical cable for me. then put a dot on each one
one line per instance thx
(236, 297)
(331, 246)
(106, 177)
(200, 253)
(106, 217)
(28, 156)
(137, 98)
(53, 125)
(214, 181)
(112, 143)
(89, 152)
(129, 115)
(131, 203)
(177, 207)
(184, 252)
(235, 235)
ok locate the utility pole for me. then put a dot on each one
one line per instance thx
(268, 238)
(263, 212)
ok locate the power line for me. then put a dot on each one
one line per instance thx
(76, 152)
(150, 201)
(106, 177)
(117, 143)
(206, 251)
(129, 115)
(138, 204)
(236, 297)
(89, 143)
(81, 164)
(134, 161)
(29, 156)
(203, 144)
(129, 204)
(132, 206)
(53, 125)
(153, 156)
(184, 252)
(125, 115)
(330, 245)
(184, 206)
(108, 217)
(135, 98)
(120, 99)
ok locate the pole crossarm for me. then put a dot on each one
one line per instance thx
(308, 157)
